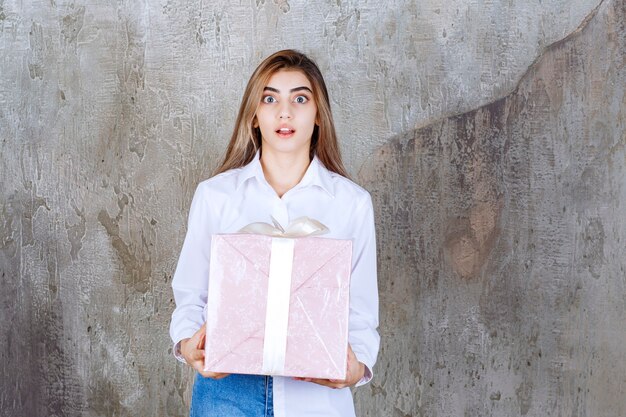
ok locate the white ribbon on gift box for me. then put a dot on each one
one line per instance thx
(279, 285)
(277, 312)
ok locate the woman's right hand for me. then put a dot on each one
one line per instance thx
(192, 350)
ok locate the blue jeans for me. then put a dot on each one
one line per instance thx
(233, 396)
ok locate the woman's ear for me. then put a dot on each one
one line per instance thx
(255, 122)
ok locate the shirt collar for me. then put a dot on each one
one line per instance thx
(316, 174)
(253, 169)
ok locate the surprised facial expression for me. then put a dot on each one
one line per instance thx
(287, 113)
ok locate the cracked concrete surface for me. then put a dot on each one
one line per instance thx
(491, 136)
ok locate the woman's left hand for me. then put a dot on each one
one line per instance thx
(356, 371)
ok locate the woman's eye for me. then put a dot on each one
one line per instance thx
(268, 99)
(301, 99)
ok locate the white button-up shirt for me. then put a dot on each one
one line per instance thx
(233, 199)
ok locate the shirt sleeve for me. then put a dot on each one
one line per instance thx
(191, 279)
(363, 323)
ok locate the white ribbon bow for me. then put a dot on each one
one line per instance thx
(300, 227)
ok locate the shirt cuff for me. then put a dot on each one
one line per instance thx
(177, 353)
(367, 376)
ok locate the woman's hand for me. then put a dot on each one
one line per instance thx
(192, 350)
(356, 371)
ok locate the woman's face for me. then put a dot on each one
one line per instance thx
(287, 113)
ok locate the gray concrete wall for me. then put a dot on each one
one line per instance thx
(502, 230)
(491, 136)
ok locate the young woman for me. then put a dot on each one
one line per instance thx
(282, 161)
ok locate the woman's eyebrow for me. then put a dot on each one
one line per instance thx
(275, 90)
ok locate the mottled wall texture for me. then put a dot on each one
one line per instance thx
(492, 136)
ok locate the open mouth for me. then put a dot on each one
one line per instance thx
(285, 131)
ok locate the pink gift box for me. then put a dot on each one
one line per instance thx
(318, 306)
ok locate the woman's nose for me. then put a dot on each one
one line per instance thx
(285, 111)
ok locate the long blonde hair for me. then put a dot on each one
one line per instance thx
(246, 139)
